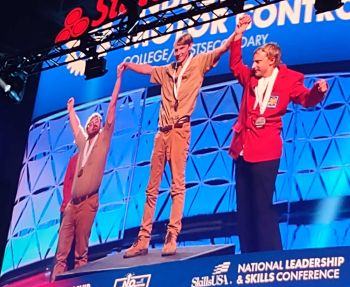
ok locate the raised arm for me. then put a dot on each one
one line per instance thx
(138, 68)
(78, 131)
(241, 27)
(239, 70)
(308, 97)
(224, 47)
(73, 117)
(115, 93)
(244, 21)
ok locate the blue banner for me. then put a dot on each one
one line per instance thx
(304, 37)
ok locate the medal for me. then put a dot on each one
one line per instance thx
(260, 122)
(80, 173)
(86, 153)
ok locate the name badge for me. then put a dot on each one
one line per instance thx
(273, 101)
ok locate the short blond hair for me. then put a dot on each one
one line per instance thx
(184, 39)
(272, 51)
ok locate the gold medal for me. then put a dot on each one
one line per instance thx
(260, 122)
(80, 172)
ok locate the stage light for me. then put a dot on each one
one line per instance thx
(322, 6)
(95, 67)
(14, 85)
(6, 87)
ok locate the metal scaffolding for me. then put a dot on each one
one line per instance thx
(94, 43)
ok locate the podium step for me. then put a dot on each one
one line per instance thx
(116, 261)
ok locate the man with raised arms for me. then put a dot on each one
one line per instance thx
(93, 144)
(268, 88)
(180, 83)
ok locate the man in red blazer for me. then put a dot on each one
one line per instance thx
(269, 86)
(68, 182)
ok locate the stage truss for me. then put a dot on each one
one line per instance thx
(98, 42)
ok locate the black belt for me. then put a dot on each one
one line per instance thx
(179, 124)
(82, 198)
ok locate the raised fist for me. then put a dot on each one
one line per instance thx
(321, 86)
(243, 24)
(70, 104)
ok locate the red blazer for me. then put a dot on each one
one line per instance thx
(263, 144)
(68, 181)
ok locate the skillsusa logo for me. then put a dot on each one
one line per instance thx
(218, 277)
(132, 281)
(76, 24)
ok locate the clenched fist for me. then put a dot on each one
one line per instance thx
(70, 104)
(321, 86)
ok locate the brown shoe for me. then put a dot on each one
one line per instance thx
(138, 248)
(169, 247)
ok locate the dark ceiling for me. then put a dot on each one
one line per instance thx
(27, 26)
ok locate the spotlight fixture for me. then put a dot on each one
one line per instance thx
(322, 6)
(13, 85)
(95, 67)
(6, 87)
(95, 64)
(17, 81)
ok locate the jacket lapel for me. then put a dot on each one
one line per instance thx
(282, 69)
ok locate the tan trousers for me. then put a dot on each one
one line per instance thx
(172, 147)
(76, 223)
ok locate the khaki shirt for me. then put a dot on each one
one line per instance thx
(93, 170)
(192, 81)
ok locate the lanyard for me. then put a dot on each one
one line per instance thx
(88, 149)
(179, 79)
(262, 98)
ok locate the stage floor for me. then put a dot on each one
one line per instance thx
(116, 261)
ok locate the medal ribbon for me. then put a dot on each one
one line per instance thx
(263, 98)
(179, 79)
(87, 150)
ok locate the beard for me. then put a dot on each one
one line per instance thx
(93, 133)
